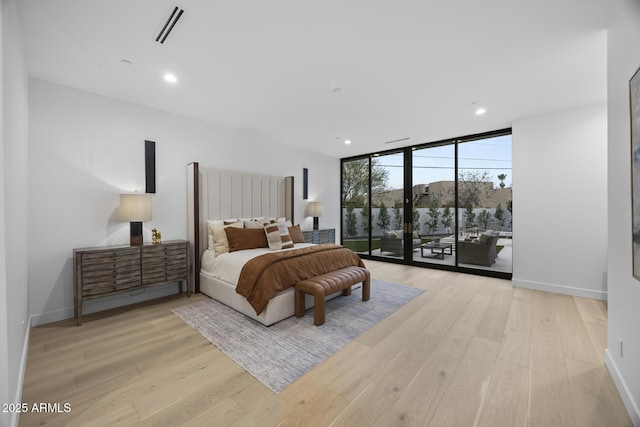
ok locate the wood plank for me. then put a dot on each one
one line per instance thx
(390, 381)
(543, 312)
(603, 408)
(304, 390)
(469, 385)
(324, 408)
(455, 342)
(551, 403)
(421, 398)
(576, 342)
(453, 308)
(507, 400)
(516, 345)
(494, 321)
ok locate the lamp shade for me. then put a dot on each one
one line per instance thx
(314, 209)
(135, 207)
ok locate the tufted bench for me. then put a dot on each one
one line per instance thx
(327, 284)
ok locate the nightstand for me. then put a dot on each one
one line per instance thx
(324, 235)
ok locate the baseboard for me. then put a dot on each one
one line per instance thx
(106, 303)
(629, 404)
(558, 289)
(15, 417)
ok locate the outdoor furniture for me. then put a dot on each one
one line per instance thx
(394, 242)
(481, 251)
(438, 249)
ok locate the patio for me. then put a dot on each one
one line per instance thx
(503, 262)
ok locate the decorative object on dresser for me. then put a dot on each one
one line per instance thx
(135, 208)
(111, 270)
(156, 236)
(314, 209)
(324, 235)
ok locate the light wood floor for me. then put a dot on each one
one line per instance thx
(469, 351)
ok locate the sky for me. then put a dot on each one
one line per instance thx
(437, 163)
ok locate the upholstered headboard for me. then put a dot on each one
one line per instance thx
(221, 194)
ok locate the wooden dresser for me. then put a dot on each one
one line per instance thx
(111, 270)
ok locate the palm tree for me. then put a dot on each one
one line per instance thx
(502, 177)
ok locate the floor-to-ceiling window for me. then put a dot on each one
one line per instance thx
(484, 204)
(433, 197)
(445, 204)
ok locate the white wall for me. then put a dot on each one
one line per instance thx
(86, 149)
(14, 313)
(624, 291)
(560, 202)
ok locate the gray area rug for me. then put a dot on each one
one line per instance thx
(280, 354)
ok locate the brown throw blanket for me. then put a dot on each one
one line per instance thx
(264, 276)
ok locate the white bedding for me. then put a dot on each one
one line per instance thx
(219, 278)
(227, 266)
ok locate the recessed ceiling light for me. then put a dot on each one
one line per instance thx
(347, 141)
(170, 78)
(478, 109)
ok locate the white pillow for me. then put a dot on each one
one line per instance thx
(220, 241)
(216, 223)
(254, 223)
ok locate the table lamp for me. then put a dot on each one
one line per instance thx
(314, 209)
(135, 208)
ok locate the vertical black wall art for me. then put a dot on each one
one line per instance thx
(150, 166)
(305, 183)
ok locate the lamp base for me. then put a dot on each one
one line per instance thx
(135, 234)
(316, 225)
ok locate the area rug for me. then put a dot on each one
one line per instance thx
(280, 354)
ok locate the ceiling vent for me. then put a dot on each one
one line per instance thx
(168, 26)
(397, 140)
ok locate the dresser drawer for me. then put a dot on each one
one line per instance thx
(164, 263)
(111, 285)
(108, 272)
(104, 255)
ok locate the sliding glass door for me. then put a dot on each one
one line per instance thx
(356, 185)
(444, 205)
(387, 209)
(484, 204)
(433, 200)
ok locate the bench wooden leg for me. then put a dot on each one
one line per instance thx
(346, 291)
(366, 289)
(318, 310)
(299, 303)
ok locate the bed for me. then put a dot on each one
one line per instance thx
(218, 196)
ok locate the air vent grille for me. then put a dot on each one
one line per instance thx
(168, 26)
(397, 140)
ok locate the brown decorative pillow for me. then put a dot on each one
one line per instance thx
(296, 234)
(245, 238)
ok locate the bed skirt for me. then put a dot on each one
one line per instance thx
(279, 308)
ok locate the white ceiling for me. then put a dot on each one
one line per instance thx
(311, 74)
